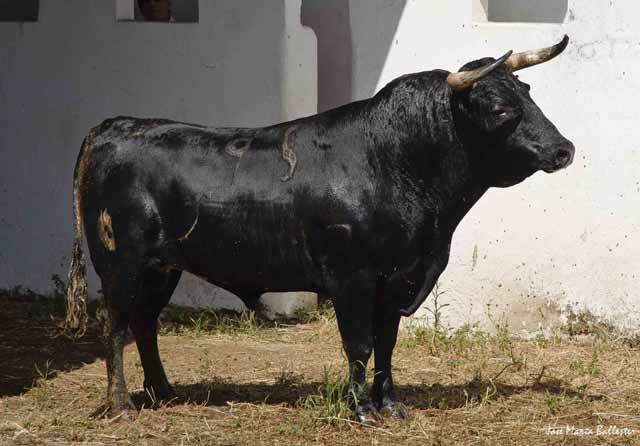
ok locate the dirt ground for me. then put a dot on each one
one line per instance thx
(243, 382)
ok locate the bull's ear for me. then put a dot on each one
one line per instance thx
(464, 80)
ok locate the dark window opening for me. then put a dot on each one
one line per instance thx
(19, 11)
(158, 11)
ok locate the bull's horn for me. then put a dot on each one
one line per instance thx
(526, 59)
(463, 80)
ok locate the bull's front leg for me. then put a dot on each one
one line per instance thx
(386, 322)
(354, 312)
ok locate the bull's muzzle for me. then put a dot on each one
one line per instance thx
(561, 156)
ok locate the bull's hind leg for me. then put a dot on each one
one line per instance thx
(154, 293)
(119, 292)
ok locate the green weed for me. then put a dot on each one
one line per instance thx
(434, 336)
(553, 402)
(480, 390)
(41, 306)
(287, 378)
(488, 396)
(192, 322)
(592, 368)
(42, 378)
(503, 338)
(334, 401)
(294, 429)
(324, 313)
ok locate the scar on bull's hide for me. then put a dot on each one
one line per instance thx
(237, 148)
(139, 131)
(288, 154)
(193, 226)
(105, 231)
(344, 226)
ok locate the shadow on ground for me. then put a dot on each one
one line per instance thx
(31, 345)
(420, 396)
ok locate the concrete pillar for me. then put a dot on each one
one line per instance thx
(299, 98)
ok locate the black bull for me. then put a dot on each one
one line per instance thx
(359, 203)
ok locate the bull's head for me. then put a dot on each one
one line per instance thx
(514, 138)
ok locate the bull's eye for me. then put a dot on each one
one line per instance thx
(501, 112)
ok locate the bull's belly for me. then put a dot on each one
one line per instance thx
(242, 265)
(282, 244)
(239, 273)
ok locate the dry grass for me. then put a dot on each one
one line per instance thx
(254, 383)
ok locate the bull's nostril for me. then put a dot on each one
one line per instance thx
(563, 157)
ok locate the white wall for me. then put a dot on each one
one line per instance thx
(77, 66)
(567, 238)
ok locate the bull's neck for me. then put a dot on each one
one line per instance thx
(416, 143)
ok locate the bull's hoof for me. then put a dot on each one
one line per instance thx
(100, 412)
(395, 409)
(119, 409)
(366, 413)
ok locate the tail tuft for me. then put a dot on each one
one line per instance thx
(76, 323)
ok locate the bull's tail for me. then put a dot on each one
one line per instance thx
(76, 321)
